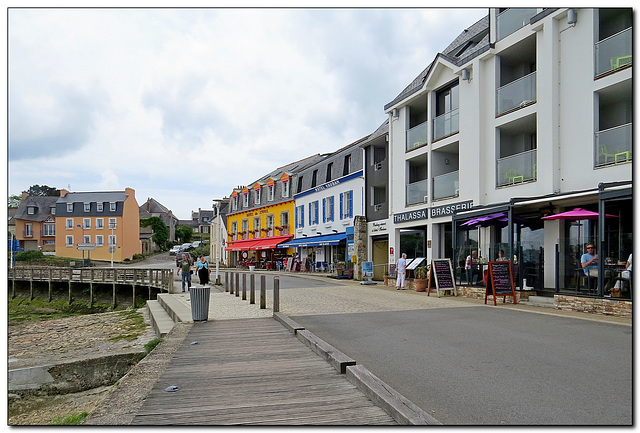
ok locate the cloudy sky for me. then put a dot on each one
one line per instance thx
(183, 105)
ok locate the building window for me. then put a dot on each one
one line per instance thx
(347, 165)
(100, 207)
(69, 207)
(271, 192)
(235, 203)
(256, 227)
(327, 209)
(86, 239)
(69, 241)
(346, 205)
(52, 210)
(112, 206)
(245, 229)
(299, 184)
(87, 207)
(314, 178)
(49, 229)
(31, 210)
(112, 240)
(86, 223)
(28, 230)
(112, 223)
(245, 200)
(284, 223)
(313, 213)
(285, 188)
(69, 224)
(99, 241)
(234, 231)
(99, 223)
(258, 196)
(299, 216)
(329, 170)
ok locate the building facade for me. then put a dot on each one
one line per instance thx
(35, 226)
(106, 222)
(528, 113)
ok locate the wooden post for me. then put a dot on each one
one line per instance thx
(50, 291)
(231, 283)
(263, 292)
(113, 298)
(31, 285)
(70, 278)
(244, 287)
(252, 285)
(276, 294)
(134, 293)
(237, 284)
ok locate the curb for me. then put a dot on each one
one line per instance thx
(392, 402)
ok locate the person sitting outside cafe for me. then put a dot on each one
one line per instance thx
(471, 265)
(589, 262)
(501, 257)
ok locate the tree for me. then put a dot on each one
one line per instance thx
(184, 233)
(43, 190)
(14, 201)
(160, 230)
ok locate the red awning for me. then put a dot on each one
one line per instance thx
(242, 245)
(268, 243)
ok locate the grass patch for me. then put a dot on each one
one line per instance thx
(134, 326)
(71, 419)
(23, 310)
(152, 345)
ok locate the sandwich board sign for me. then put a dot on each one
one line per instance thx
(500, 282)
(441, 277)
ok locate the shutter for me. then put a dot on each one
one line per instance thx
(351, 204)
(331, 208)
(301, 216)
(316, 217)
(297, 218)
(341, 200)
(324, 210)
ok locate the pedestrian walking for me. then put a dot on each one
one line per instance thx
(401, 270)
(203, 270)
(185, 266)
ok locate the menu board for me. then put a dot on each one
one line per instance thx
(441, 276)
(500, 282)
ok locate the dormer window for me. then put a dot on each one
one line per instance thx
(112, 206)
(69, 207)
(31, 210)
(52, 210)
(87, 207)
(100, 207)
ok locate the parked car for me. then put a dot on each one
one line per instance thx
(196, 244)
(186, 247)
(174, 250)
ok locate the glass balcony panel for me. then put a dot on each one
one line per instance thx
(416, 192)
(446, 185)
(417, 136)
(445, 124)
(613, 146)
(614, 52)
(516, 94)
(513, 19)
(518, 168)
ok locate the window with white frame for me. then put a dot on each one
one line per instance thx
(68, 241)
(234, 203)
(99, 240)
(99, 223)
(271, 192)
(346, 204)
(86, 223)
(313, 213)
(299, 216)
(245, 229)
(100, 207)
(28, 230)
(112, 223)
(286, 186)
(69, 224)
(52, 210)
(258, 196)
(31, 210)
(112, 206)
(234, 231)
(87, 207)
(86, 239)
(256, 226)
(284, 219)
(327, 209)
(269, 225)
(245, 200)
(69, 207)
(113, 240)
(49, 229)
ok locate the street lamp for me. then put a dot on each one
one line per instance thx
(216, 204)
(112, 248)
(82, 227)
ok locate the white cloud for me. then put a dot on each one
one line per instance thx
(185, 104)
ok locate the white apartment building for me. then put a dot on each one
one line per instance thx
(528, 113)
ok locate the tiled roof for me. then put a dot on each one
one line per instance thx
(89, 197)
(43, 205)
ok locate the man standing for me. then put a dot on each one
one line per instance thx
(185, 266)
(401, 270)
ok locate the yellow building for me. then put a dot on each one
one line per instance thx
(106, 224)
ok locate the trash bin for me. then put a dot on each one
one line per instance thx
(252, 268)
(200, 302)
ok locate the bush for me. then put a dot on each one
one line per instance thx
(26, 256)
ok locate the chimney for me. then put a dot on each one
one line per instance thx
(25, 194)
(63, 192)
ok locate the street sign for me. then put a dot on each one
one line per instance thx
(112, 249)
(86, 247)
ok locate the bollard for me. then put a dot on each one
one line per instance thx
(263, 292)
(244, 287)
(276, 294)
(252, 285)
(231, 283)
(226, 281)
(237, 284)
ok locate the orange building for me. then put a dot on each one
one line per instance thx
(35, 222)
(106, 223)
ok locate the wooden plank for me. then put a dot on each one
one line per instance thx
(253, 372)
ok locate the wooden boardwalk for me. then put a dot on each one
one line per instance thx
(253, 372)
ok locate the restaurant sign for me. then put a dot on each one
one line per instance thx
(414, 215)
(449, 209)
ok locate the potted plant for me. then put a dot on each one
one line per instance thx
(422, 278)
(386, 278)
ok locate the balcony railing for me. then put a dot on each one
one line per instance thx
(417, 192)
(417, 136)
(613, 146)
(27, 233)
(614, 52)
(446, 185)
(518, 93)
(445, 124)
(513, 19)
(518, 168)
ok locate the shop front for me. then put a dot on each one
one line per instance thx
(263, 253)
(320, 253)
